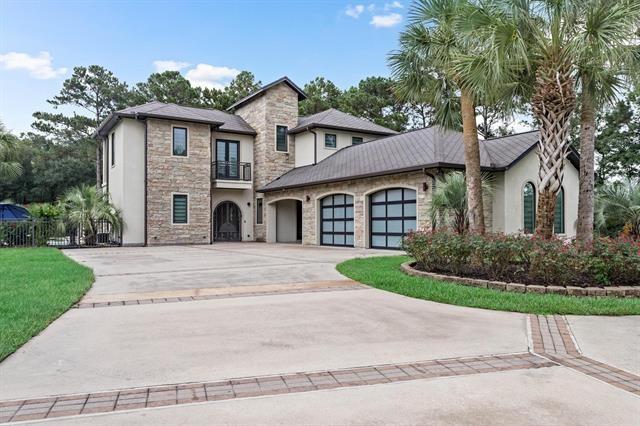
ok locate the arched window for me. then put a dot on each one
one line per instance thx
(558, 221)
(529, 208)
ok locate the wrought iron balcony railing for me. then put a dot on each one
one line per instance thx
(231, 170)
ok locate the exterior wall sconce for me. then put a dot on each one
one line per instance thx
(308, 198)
(425, 186)
(248, 203)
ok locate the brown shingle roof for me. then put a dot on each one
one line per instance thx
(425, 148)
(223, 121)
(335, 119)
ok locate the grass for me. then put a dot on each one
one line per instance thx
(37, 285)
(384, 273)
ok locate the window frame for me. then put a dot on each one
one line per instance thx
(186, 141)
(559, 197)
(173, 198)
(286, 138)
(357, 137)
(534, 196)
(335, 140)
(113, 146)
(333, 219)
(259, 211)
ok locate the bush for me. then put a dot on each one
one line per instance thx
(528, 260)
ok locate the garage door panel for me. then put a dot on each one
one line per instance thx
(337, 220)
(392, 215)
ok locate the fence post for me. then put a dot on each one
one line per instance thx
(33, 233)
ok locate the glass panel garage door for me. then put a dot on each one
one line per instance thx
(392, 214)
(336, 220)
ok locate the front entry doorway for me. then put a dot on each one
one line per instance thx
(226, 222)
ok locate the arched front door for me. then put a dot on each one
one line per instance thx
(226, 222)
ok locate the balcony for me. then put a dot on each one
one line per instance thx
(231, 175)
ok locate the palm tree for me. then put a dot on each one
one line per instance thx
(604, 57)
(619, 203)
(449, 201)
(425, 71)
(9, 168)
(85, 207)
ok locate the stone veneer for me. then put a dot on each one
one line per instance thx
(277, 106)
(360, 189)
(168, 174)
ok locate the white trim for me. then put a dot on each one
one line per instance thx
(275, 138)
(188, 206)
(179, 126)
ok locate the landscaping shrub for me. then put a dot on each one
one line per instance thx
(528, 260)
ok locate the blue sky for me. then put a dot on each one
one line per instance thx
(209, 41)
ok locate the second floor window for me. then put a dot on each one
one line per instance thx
(330, 141)
(179, 145)
(281, 139)
(113, 149)
(356, 140)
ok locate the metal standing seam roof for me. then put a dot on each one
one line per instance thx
(336, 119)
(425, 148)
(223, 121)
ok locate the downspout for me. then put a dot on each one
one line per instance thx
(106, 163)
(145, 180)
(315, 146)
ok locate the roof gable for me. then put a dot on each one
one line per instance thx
(283, 80)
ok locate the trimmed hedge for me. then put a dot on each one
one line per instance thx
(527, 260)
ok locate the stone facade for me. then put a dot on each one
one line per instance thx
(277, 106)
(360, 189)
(168, 174)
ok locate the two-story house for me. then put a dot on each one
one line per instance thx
(259, 172)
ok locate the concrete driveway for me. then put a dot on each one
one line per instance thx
(194, 320)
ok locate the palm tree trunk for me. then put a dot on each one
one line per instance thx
(472, 163)
(553, 103)
(584, 232)
(99, 163)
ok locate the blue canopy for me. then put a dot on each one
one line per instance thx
(13, 212)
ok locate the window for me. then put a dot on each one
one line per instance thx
(180, 141)
(529, 207)
(330, 141)
(113, 148)
(558, 221)
(259, 211)
(356, 140)
(282, 144)
(392, 214)
(180, 208)
(336, 218)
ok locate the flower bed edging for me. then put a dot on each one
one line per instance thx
(619, 291)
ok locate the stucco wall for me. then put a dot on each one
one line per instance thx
(168, 174)
(286, 221)
(526, 170)
(304, 144)
(126, 178)
(244, 200)
(360, 189)
(246, 145)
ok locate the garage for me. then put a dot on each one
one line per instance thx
(392, 214)
(336, 218)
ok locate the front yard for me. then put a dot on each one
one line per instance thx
(37, 285)
(384, 273)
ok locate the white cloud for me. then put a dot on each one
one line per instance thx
(393, 5)
(386, 21)
(354, 11)
(38, 66)
(372, 7)
(162, 66)
(210, 76)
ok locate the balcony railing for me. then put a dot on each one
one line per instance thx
(231, 170)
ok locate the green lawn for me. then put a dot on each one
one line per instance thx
(384, 273)
(37, 285)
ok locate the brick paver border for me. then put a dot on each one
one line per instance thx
(551, 337)
(188, 393)
(156, 300)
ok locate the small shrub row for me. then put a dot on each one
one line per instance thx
(527, 260)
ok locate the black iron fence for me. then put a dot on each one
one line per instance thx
(54, 233)
(231, 170)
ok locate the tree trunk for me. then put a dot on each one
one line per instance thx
(472, 164)
(553, 103)
(584, 232)
(99, 164)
